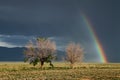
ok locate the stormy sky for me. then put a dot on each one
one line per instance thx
(61, 21)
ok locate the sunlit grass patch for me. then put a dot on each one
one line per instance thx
(61, 71)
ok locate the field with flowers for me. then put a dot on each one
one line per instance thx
(61, 71)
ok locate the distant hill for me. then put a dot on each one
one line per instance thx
(11, 54)
(16, 54)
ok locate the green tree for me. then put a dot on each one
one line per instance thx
(42, 51)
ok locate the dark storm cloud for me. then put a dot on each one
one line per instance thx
(62, 18)
(40, 17)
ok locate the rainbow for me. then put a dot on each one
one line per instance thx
(100, 51)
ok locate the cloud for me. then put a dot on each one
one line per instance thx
(46, 18)
(8, 45)
(11, 41)
(36, 12)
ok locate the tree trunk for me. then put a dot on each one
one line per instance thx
(51, 64)
(42, 63)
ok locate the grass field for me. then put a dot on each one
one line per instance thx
(61, 71)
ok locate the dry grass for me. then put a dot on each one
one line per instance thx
(61, 71)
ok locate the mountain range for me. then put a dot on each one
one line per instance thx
(16, 54)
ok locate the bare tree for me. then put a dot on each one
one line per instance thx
(43, 51)
(74, 53)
